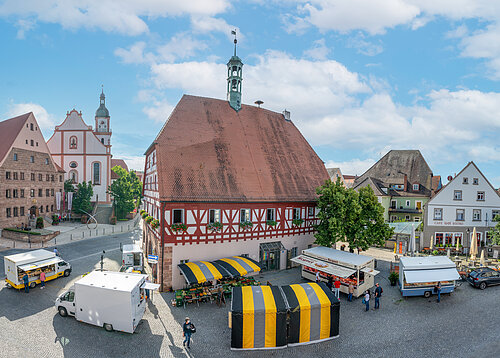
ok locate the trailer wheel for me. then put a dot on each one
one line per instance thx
(108, 327)
(66, 273)
(32, 284)
(62, 311)
(427, 294)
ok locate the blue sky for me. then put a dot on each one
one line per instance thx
(360, 77)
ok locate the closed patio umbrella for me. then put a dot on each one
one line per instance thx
(458, 244)
(481, 260)
(473, 245)
(431, 246)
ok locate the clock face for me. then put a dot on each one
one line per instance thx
(102, 122)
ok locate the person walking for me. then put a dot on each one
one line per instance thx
(367, 300)
(188, 328)
(318, 280)
(330, 283)
(147, 290)
(351, 292)
(337, 287)
(42, 280)
(438, 289)
(56, 252)
(26, 281)
(378, 294)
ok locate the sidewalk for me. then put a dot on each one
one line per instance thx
(74, 232)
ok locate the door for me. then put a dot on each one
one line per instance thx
(68, 302)
(419, 205)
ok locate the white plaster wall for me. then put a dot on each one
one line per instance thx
(94, 146)
(98, 189)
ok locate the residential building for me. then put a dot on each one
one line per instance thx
(468, 201)
(245, 167)
(119, 163)
(334, 174)
(403, 183)
(29, 177)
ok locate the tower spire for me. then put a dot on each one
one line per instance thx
(233, 32)
(234, 78)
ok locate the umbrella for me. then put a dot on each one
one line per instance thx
(473, 245)
(458, 243)
(432, 243)
(482, 261)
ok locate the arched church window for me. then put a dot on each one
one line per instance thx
(73, 142)
(96, 173)
(73, 164)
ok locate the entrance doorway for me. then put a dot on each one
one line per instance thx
(33, 212)
(270, 255)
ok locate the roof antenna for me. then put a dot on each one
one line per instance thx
(233, 32)
(102, 89)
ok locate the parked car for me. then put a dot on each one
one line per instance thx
(483, 277)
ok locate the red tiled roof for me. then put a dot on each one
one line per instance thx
(9, 129)
(59, 169)
(209, 152)
(119, 162)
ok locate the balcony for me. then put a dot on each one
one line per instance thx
(405, 210)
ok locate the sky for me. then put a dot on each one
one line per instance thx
(360, 77)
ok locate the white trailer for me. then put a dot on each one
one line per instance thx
(33, 263)
(132, 258)
(113, 300)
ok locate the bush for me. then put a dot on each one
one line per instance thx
(393, 277)
(21, 231)
(142, 212)
(112, 220)
(39, 222)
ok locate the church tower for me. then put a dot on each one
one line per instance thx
(102, 127)
(234, 78)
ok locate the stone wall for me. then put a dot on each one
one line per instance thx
(25, 237)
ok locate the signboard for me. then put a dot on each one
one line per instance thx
(153, 259)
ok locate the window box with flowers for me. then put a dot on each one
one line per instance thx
(178, 227)
(142, 212)
(297, 222)
(246, 225)
(144, 215)
(271, 223)
(214, 227)
(154, 223)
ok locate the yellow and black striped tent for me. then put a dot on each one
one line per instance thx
(202, 271)
(314, 313)
(238, 265)
(258, 315)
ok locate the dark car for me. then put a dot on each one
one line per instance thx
(483, 277)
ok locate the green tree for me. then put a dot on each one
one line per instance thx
(125, 190)
(495, 232)
(81, 200)
(348, 215)
(68, 186)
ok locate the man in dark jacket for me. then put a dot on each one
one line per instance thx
(378, 294)
(26, 281)
(187, 330)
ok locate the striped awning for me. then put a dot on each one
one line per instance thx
(202, 271)
(258, 315)
(314, 313)
(238, 265)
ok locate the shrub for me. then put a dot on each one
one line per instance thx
(39, 222)
(21, 231)
(112, 220)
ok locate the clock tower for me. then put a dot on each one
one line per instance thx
(102, 127)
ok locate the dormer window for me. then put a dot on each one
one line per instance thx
(73, 142)
(465, 180)
(416, 187)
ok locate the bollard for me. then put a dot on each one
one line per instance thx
(121, 228)
(83, 234)
(96, 232)
(113, 229)
(128, 227)
(29, 240)
(70, 237)
(103, 231)
(90, 233)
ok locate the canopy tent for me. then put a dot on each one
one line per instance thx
(36, 265)
(323, 266)
(370, 271)
(314, 313)
(258, 315)
(202, 271)
(419, 276)
(238, 265)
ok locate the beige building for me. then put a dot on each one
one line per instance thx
(29, 177)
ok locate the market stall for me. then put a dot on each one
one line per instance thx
(258, 318)
(345, 266)
(419, 275)
(314, 313)
(238, 265)
(202, 271)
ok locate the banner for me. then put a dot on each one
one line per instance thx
(58, 201)
(70, 200)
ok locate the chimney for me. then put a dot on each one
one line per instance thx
(286, 114)
(406, 182)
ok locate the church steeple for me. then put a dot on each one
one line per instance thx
(102, 125)
(234, 78)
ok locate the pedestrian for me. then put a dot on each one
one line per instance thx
(188, 328)
(351, 292)
(42, 279)
(378, 294)
(268, 283)
(366, 300)
(147, 291)
(56, 252)
(26, 281)
(337, 287)
(438, 289)
(318, 280)
(329, 284)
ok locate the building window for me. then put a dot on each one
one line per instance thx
(96, 173)
(73, 164)
(296, 213)
(41, 208)
(47, 192)
(52, 178)
(439, 239)
(16, 212)
(214, 216)
(271, 214)
(475, 181)
(32, 159)
(465, 180)
(31, 126)
(52, 207)
(15, 193)
(476, 215)
(245, 215)
(22, 175)
(457, 195)
(21, 211)
(51, 192)
(178, 216)
(32, 193)
(416, 219)
(8, 212)
(73, 176)
(7, 193)
(73, 142)
(40, 177)
(15, 157)
(407, 218)
(416, 187)
(494, 213)
(407, 203)
(460, 214)
(22, 193)
(40, 193)
(438, 214)
(457, 238)
(47, 177)
(102, 140)
(7, 175)
(310, 211)
(480, 196)
(32, 176)
(46, 208)
(448, 238)
(32, 142)
(60, 178)
(46, 161)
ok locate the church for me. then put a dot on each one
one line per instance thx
(85, 152)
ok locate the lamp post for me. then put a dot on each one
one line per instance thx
(102, 259)
(468, 240)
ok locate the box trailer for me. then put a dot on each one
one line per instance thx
(33, 263)
(132, 258)
(113, 300)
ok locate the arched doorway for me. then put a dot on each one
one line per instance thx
(33, 211)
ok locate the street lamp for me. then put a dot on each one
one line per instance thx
(468, 240)
(102, 259)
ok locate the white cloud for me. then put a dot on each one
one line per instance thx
(364, 47)
(133, 162)
(319, 50)
(45, 120)
(158, 110)
(352, 167)
(121, 16)
(134, 54)
(208, 24)
(23, 26)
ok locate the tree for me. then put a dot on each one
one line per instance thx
(495, 232)
(68, 186)
(348, 215)
(124, 191)
(81, 200)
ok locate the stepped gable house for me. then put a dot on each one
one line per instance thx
(29, 177)
(247, 168)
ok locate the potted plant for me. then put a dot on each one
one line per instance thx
(271, 223)
(149, 219)
(246, 225)
(297, 222)
(214, 227)
(178, 227)
(393, 278)
(55, 219)
(154, 224)
(144, 215)
(112, 220)
(39, 222)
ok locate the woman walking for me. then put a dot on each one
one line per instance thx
(367, 300)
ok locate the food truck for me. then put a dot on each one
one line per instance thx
(347, 267)
(419, 275)
(113, 300)
(33, 263)
(132, 258)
